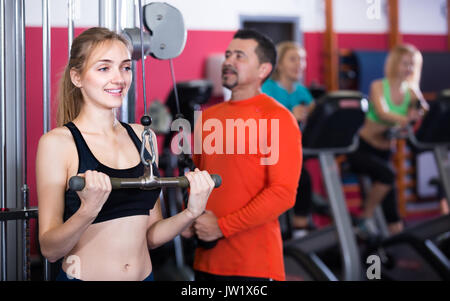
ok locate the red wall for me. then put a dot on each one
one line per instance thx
(381, 41)
(363, 41)
(428, 42)
(313, 43)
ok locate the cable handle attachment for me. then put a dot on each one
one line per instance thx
(146, 121)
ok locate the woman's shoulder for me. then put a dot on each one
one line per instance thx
(376, 86)
(60, 136)
(377, 83)
(137, 127)
(57, 144)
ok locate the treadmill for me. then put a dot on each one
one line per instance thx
(332, 128)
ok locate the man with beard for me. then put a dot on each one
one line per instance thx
(242, 215)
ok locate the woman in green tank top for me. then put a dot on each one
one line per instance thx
(393, 103)
(389, 106)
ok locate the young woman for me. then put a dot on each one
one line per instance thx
(285, 87)
(102, 234)
(395, 101)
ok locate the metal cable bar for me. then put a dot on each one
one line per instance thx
(46, 45)
(18, 214)
(3, 136)
(70, 23)
(141, 26)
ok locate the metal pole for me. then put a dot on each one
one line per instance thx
(121, 10)
(109, 18)
(443, 164)
(3, 136)
(131, 97)
(71, 24)
(107, 14)
(351, 265)
(25, 190)
(46, 44)
(141, 26)
(127, 19)
(117, 15)
(21, 136)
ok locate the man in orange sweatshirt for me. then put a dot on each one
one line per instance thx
(254, 143)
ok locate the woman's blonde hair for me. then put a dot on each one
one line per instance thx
(393, 60)
(282, 49)
(70, 97)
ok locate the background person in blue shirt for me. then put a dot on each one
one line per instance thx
(285, 87)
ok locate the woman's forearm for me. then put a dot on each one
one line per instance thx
(56, 243)
(394, 118)
(165, 230)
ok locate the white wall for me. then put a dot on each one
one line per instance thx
(198, 14)
(224, 14)
(423, 17)
(358, 16)
(86, 13)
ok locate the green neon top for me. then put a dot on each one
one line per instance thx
(401, 109)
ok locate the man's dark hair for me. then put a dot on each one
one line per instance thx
(266, 51)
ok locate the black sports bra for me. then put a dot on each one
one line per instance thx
(121, 202)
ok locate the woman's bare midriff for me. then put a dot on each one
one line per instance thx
(111, 250)
(374, 134)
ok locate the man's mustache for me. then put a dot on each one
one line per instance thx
(227, 69)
